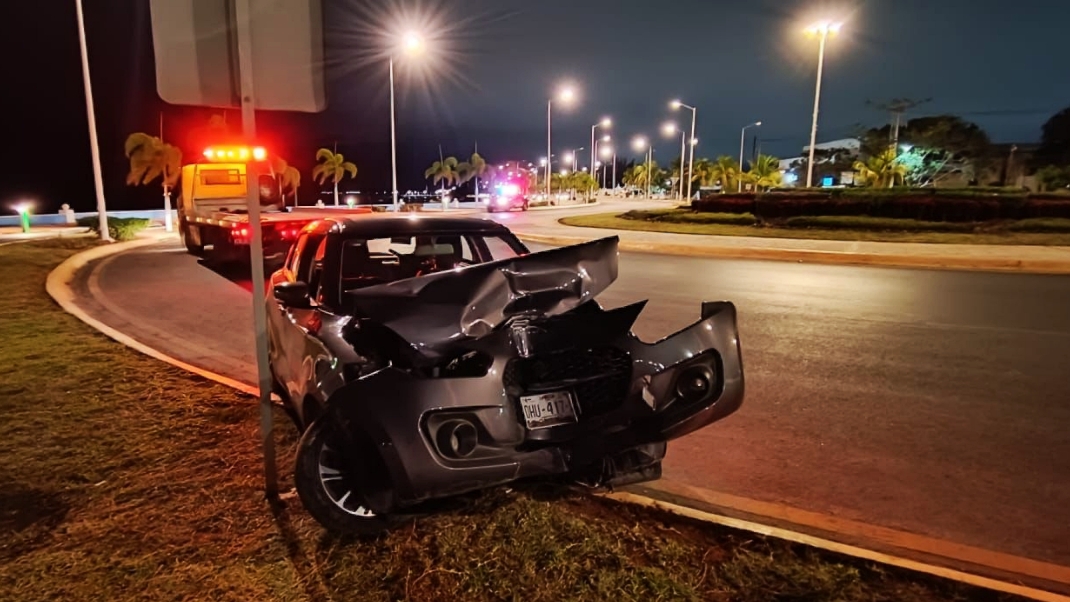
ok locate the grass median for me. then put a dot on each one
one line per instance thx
(1037, 232)
(127, 479)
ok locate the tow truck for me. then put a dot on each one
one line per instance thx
(213, 219)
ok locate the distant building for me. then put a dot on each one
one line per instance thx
(793, 172)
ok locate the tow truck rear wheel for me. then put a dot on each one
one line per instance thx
(187, 239)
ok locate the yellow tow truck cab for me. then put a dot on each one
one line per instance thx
(213, 217)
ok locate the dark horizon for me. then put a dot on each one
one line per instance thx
(978, 59)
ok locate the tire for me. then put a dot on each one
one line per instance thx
(196, 250)
(322, 480)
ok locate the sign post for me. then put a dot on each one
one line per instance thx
(256, 246)
(208, 53)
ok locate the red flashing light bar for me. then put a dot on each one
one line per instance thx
(235, 153)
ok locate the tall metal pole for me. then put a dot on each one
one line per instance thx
(592, 147)
(549, 160)
(393, 139)
(94, 146)
(167, 225)
(649, 160)
(742, 143)
(614, 170)
(256, 248)
(742, 139)
(682, 152)
(817, 104)
(691, 160)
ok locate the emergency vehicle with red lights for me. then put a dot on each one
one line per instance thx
(213, 218)
(510, 192)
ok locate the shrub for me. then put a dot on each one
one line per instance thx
(930, 204)
(875, 223)
(685, 216)
(1046, 206)
(725, 203)
(119, 228)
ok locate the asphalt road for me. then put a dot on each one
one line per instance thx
(936, 403)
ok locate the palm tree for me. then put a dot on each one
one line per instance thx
(475, 168)
(446, 171)
(726, 171)
(703, 172)
(881, 171)
(764, 172)
(333, 166)
(290, 181)
(152, 158)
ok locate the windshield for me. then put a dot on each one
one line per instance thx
(367, 262)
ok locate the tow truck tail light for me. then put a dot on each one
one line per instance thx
(239, 235)
(235, 153)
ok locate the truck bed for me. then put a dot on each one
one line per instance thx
(233, 219)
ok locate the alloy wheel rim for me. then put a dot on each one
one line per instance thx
(338, 483)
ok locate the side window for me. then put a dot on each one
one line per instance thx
(499, 248)
(293, 259)
(315, 279)
(467, 253)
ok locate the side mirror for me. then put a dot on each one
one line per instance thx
(292, 294)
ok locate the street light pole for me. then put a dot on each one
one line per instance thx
(393, 139)
(614, 170)
(649, 161)
(605, 123)
(742, 140)
(94, 146)
(549, 103)
(682, 151)
(676, 104)
(823, 29)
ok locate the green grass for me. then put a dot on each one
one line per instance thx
(833, 229)
(125, 479)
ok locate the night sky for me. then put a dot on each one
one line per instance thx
(1001, 64)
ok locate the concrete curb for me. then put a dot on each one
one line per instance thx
(1039, 266)
(58, 286)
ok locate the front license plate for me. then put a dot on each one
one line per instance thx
(548, 409)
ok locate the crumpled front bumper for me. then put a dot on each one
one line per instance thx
(403, 415)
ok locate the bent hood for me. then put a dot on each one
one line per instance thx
(439, 310)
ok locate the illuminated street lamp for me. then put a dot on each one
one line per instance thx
(675, 105)
(821, 29)
(639, 143)
(23, 209)
(566, 94)
(411, 43)
(741, 139)
(605, 123)
(669, 129)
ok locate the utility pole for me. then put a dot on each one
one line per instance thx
(897, 107)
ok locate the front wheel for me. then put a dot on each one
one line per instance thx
(328, 486)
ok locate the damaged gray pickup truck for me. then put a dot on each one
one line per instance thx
(424, 357)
